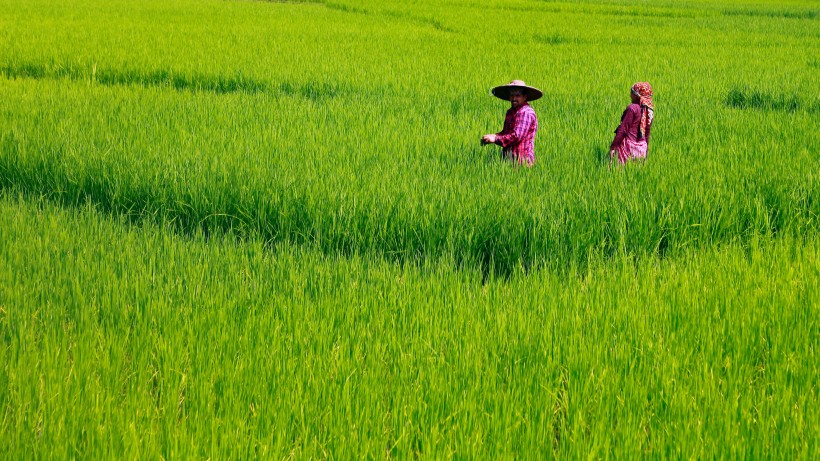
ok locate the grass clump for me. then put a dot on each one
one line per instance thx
(743, 98)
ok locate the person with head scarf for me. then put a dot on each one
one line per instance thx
(517, 138)
(632, 135)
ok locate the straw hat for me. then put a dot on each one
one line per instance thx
(503, 91)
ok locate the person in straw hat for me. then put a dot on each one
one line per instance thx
(517, 139)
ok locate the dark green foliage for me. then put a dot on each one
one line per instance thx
(743, 98)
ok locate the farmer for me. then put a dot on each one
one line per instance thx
(632, 136)
(520, 124)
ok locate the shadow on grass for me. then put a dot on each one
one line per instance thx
(743, 98)
(554, 39)
(601, 155)
(392, 14)
(497, 248)
(498, 241)
(219, 84)
(788, 14)
(153, 78)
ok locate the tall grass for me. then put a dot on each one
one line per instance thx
(235, 229)
(148, 344)
(402, 174)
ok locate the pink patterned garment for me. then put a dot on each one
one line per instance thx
(518, 136)
(631, 149)
(628, 141)
(644, 92)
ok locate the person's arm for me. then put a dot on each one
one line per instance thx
(646, 134)
(620, 133)
(523, 122)
(491, 138)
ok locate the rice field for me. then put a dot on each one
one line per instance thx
(267, 229)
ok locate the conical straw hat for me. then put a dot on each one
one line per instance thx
(503, 91)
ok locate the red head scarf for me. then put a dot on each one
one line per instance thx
(644, 91)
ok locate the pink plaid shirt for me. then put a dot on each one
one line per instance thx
(518, 136)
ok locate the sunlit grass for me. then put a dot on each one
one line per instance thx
(234, 229)
(145, 343)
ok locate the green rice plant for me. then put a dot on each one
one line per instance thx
(128, 340)
(348, 199)
(235, 229)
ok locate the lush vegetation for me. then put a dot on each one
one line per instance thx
(251, 228)
(140, 342)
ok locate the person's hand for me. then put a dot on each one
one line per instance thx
(488, 139)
